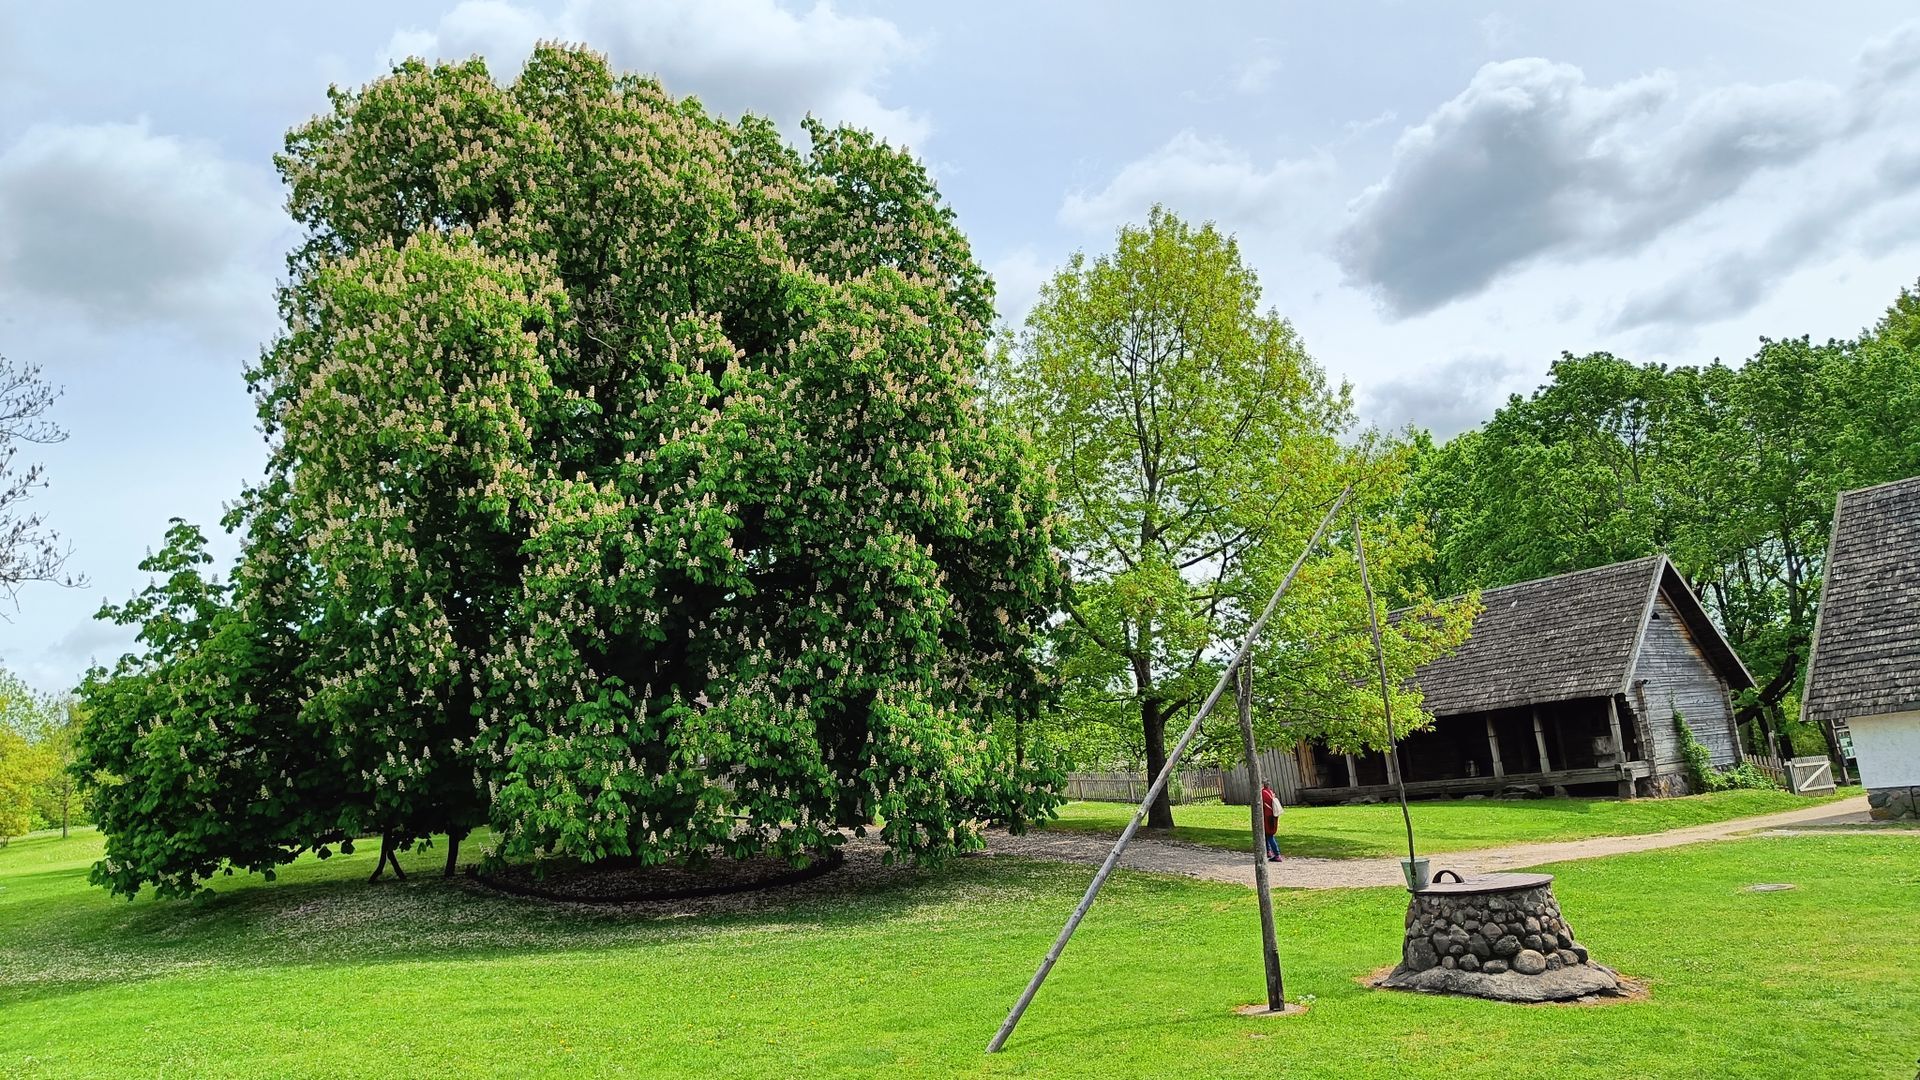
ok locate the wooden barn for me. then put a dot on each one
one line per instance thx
(1568, 684)
(1863, 678)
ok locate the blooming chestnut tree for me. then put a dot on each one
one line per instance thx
(629, 494)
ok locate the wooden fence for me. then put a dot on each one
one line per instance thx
(1770, 765)
(1278, 769)
(1801, 775)
(1189, 785)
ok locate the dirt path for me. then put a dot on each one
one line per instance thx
(1218, 864)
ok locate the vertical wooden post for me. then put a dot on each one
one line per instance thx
(1160, 782)
(1620, 747)
(1613, 725)
(1733, 722)
(1540, 740)
(1386, 697)
(1393, 766)
(1269, 949)
(1353, 772)
(1493, 744)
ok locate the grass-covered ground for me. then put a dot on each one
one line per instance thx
(320, 975)
(1352, 832)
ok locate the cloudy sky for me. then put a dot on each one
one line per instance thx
(1442, 196)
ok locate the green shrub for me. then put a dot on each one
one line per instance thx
(1700, 771)
(1704, 777)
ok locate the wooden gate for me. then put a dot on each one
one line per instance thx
(1810, 776)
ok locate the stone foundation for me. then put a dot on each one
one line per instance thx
(1894, 804)
(1497, 936)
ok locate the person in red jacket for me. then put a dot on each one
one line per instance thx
(1271, 803)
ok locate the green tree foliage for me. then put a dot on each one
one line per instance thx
(20, 771)
(1195, 447)
(1731, 471)
(33, 751)
(629, 493)
(58, 803)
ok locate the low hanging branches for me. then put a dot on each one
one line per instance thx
(629, 495)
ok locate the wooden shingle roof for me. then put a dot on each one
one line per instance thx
(1567, 637)
(1866, 644)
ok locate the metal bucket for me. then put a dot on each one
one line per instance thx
(1416, 872)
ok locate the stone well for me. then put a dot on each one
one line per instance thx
(1497, 936)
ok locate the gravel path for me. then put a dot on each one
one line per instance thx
(1218, 864)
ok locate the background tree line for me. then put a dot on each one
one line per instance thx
(38, 789)
(1731, 471)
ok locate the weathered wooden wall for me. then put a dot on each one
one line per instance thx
(1279, 769)
(1673, 675)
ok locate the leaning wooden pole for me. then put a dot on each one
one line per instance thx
(1386, 697)
(1160, 783)
(1269, 946)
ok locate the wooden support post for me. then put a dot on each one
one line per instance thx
(1386, 698)
(1733, 721)
(1540, 740)
(1353, 772)
(1619, 747)
(1269, 948)
(1393, 766)
(1160, 782)
(1649, 747)
(1493, 744)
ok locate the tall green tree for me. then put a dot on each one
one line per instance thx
(20, 771)
(58, 802)
(1194, 446)
(32, 725)
(629, 493)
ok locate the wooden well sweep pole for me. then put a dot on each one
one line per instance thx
(1159, 782)
(1386, 698)
(1269, 947)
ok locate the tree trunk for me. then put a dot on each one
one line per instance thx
(387, 856)
(1153, 725)
(453, 852)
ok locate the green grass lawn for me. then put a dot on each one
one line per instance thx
(321, 975)
(1353, 832)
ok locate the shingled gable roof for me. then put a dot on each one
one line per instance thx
(1567, 637)
(1866, 641)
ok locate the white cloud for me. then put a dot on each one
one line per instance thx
(1199, 177)
(1531, 162)
(1869, 209)
(1859, 196)
(1017, 278)
(1531, 159)
(503, 33)
(1445, 398)
(1497, 31)
(735, 55)
(129, 227)
(1257, 75)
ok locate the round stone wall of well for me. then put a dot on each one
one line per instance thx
(1498, 936)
